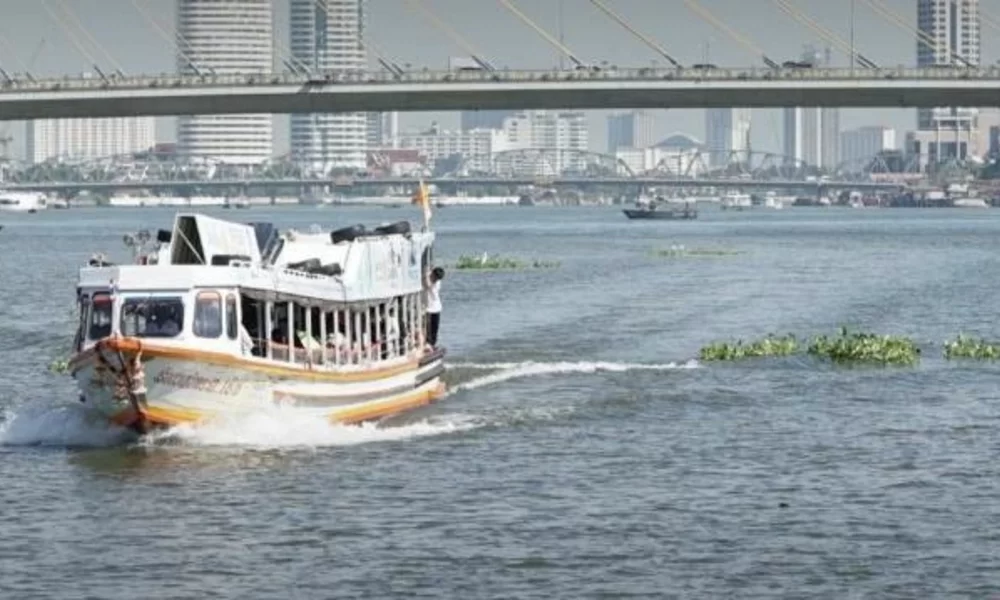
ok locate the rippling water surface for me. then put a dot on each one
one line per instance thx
(582, 452)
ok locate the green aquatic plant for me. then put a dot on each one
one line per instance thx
(544, 264)
(971, 348)
(683, 252)
(766, 347)
(860, 347)
(60, 366)
(499, 263)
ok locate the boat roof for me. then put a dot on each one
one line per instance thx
(351, 264)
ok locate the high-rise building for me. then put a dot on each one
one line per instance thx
(484, 119)
(560, 137)
(328, 37)
(949, 36)
(727, 135)
(225, 38)
(474, 150)
(75, 139)
(630, 130)
(812, 135)
(382, 130)
(857, 146)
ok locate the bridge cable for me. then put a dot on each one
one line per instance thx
(69, 34)
(178, 39)
(829, 36)
(17, 59)
(989, 19)
(75, 20)
(921, 36)
(704, 13)
(644, 39)
(545, 35)
(426, 12)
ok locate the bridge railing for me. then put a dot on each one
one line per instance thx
(77, 83)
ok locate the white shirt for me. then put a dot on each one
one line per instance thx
(434, 297)
(246, 342)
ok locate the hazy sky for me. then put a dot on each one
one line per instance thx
(31, 38)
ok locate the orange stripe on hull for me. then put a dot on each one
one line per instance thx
(387, 408)
(168, 417)
(152, 350)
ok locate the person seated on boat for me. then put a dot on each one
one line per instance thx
(164, 322)
(391, 337)
(337, 343)
(433, 292)
(310, 344)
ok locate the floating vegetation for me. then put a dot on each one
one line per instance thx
(683, 252)
(499, 263)
(860, 347)
(971, 348)
(769, 346)
(59, 366)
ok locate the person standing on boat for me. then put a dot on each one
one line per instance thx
(433, 292)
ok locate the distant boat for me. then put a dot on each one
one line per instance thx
(237, 203)
(654, 210)
(29, 202)
(735, 200)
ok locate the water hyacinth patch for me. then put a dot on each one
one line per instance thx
(971, 348)
(499, 263)
(769, 346)
(860, 347)
(683, 252)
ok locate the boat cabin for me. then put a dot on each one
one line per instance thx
(350, 298)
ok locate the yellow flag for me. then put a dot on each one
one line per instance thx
(423, 197)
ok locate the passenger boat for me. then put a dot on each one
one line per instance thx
(654, 209)
(27, 202)
(217, 319)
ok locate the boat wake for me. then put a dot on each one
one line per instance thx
(508, 371)
(68, 426)
(71, 426)
(282, 428)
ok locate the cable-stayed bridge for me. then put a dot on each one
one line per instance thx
(296, 86)
(429, 91)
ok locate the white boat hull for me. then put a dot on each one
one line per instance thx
(186, 386)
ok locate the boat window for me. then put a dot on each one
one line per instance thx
(152, 317)
(232, 323)
(100, 317)
(81, 328)
(208, 315)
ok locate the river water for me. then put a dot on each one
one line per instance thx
(582, 452)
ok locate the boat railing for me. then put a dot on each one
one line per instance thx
(360, 355)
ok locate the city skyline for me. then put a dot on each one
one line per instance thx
(396, 31)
